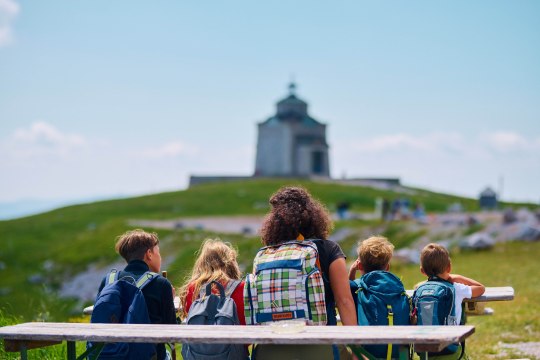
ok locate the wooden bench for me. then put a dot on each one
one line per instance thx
(26, 336)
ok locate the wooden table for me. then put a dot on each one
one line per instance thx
(504, 293)
(26, 336)
(90, 309)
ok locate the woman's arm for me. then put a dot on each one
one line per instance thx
(339, 282)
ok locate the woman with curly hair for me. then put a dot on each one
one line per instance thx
(296, 215)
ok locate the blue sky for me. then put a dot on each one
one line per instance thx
(110, 98)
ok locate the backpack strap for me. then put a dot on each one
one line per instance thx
(206, 290)
(227, 290)
(390, 323)
(145, 279)
(436, 278)
(318, 261)
(362, 318)
(112, 276)
(231, 287)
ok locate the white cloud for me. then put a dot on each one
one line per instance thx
(9, 9)
(45, 134)
(505, 141)
(41, 160)
(41, 139)
(451, 162)
(172, 149)
(447, 143)
(443, 142)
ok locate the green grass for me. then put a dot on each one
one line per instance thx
(396, 232)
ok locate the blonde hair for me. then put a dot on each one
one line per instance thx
(434, 259)
(216, 261)
(133, 244)
(375, 253)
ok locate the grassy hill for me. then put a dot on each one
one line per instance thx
(40, 252)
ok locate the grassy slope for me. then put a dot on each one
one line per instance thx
(70, 238)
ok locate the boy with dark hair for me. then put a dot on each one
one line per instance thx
(438, 300)
(379, 295)
(140, 249)
(435, 263)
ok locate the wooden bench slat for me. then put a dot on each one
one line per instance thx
(504, 293)
(437, 336)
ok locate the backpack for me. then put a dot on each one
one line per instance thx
(122, 301)
(212, 309)
(286, 283)
(434, 304)
(382, 300)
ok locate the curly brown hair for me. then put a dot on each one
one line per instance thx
(293, 212)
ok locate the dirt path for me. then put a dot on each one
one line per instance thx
(222, 224)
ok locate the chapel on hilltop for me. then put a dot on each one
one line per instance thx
(291, 142)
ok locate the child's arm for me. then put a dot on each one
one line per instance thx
(352, 270)
(476, 287)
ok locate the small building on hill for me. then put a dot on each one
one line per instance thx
(488, 199)
(291, 142)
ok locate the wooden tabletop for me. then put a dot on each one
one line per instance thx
(505, 293)
(436, 337)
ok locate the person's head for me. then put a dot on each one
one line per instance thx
(434, 260)
(140, 245)
(295, 212)
(375, 253)
(216, 261)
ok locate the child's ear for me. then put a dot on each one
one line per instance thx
(387, 267)
(360, 266)
(148, 254)
(422, 270)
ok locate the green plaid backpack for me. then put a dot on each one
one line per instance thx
(286, 283)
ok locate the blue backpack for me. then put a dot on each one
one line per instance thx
(382, 300)
(212, 309)
(434, 304)
(122, 301)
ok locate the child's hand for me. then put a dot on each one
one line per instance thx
(354, 267)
